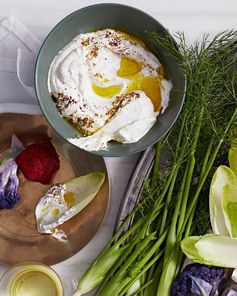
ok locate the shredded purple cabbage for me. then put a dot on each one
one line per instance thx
(8, 184)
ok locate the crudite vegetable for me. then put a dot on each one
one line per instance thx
(223, 210)
(8, 176)
(148, 256)
(198, 280)
(39, 162)
(223, 202)
(211, 249)
(8, 184)
(64, 200)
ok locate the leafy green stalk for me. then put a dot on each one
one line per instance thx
(142, 288)
(191, 208)
(191, 167)
(203, 169)
(174, 174)
(170, 267)
(169, 271)
(120, 280)
(206, 158)
(142, 226)
(98, 269)
(156, 276)
(171, 239)
(208, 168)
(150, 291)
(168, 200)
(157, 161)
(143, 270)
(105, 261)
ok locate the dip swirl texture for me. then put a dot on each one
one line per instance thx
(109, 86)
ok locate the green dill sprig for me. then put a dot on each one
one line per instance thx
(211, 88)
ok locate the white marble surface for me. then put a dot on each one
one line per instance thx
(192, 17)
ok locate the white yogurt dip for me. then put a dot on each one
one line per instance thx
(109, 86)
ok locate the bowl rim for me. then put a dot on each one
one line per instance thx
(105, 153)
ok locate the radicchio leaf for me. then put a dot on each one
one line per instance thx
(200, 287)
(8, 184)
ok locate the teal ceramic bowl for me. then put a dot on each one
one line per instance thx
(120, 17)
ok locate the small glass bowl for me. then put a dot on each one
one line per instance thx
(15, 273)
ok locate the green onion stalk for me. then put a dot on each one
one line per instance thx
(148, 256)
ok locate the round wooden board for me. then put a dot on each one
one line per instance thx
(19, 239)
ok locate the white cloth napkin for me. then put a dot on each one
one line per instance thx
(18, 52)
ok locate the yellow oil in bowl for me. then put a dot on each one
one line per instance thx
(32, 279)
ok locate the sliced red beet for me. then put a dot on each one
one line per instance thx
(38, 162)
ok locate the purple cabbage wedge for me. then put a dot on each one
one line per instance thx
(8, 184)
(199, 280)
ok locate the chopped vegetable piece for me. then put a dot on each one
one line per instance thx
(222, 176)
(211, 249)
(8, 184)
(197, 280)
(38, 162)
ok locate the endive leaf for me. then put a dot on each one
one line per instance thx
(229, 207)
(63, 201)
(211, 249)
(233, 159)
(222, 176)
(85, 188)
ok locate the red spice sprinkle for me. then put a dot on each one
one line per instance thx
(113, 43)
(85, 42)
